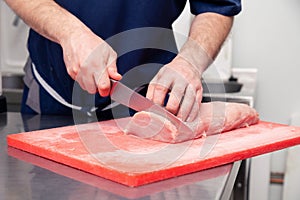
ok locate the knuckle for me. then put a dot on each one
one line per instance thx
(191, 90)
(195, 84)
(173, 104)
(160, 88)
(72, 68)
(91, 90)
(103, 85)
(179, 89)
(161, 72)
(81, 85)
(172, 107)
(71, 73)
(158, 98)
(103, 91)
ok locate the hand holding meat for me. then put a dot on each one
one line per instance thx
(183, 83)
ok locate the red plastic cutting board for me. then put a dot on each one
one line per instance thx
(102, 149)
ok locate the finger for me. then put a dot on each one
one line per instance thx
(187, 103)
(112, 55)
(89, 84)
(160, 92)
(112, 65)
(193, 113)
(103, 83)
(72, 71)
(79, 81)
(71, 65)
(87, 79)
(113, 72)
(175, 97)
(150, 90)
(196, 107)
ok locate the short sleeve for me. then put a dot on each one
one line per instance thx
(223, 7)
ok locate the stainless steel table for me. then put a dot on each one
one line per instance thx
(24, 176)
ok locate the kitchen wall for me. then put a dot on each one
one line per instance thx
(13, 39)
(266, 36)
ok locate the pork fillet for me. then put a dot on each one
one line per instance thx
(213, 118)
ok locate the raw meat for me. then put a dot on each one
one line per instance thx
(213, 118)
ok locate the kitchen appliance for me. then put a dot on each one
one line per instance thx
(3, 106)
(13, 55)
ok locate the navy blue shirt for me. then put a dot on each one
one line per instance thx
(120, 23)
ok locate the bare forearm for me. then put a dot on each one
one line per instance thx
(81, 47)
(47, 18)
(207, 34)
(210, 30)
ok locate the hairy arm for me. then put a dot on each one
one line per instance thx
(207, 34)
(48, 18)
(81, 47)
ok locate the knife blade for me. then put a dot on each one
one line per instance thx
(130, 98)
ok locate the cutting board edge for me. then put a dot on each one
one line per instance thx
(127, 179)
(210, 163)
(135, 180)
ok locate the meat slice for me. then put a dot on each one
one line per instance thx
(213, 118)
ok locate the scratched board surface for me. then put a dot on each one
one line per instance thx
(102, 149)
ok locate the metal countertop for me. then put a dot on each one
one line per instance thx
(24, 176)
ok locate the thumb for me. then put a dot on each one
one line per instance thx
(113, 72)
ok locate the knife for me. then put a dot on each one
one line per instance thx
(130, 98)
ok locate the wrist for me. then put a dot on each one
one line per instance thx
(74, 33)
(195, 55)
